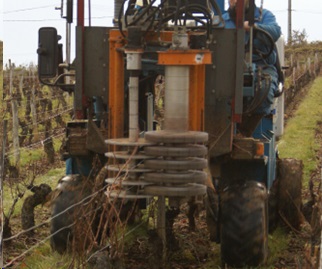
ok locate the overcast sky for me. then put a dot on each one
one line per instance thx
(22, 19)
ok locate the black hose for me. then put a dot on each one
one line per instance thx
(120, 19)
(141, 14)
(218, 11)
(189, 10)
(117, 8)
(260, 97)
(270, 39)
(176, 15)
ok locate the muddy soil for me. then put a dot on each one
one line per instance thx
(192, 248)
(196, 250)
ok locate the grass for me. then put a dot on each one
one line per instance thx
(31, 155)
(1, 91)
(297, 142)
(28, 157)
(41, 257)
(277, 243)
(299, 139)
(44, 258)
(50, 178)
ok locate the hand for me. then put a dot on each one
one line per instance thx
(246, 25)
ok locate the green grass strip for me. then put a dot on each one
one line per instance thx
(299, 139)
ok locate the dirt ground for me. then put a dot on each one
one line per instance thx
(193, 249)
(196, 250)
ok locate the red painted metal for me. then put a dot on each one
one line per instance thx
(81, 114)
(80, 13)
(240, 14)
(237, 117)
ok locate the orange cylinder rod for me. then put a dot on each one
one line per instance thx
(197, 97)
(116, 85)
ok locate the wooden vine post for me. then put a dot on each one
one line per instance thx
(2, 158)
(33, 108)
(15, 120)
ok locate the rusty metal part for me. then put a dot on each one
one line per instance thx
(179, 191)
(126, 142)
(95, 139)
(177, 178)
(130, 168)
(167, 136)
(177, 151)
(125, 155)
(245, 148)
(126, 168)
(178, 170)
(125, 182)
(181, 165)
(127, 195)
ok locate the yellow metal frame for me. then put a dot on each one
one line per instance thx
(184, 57)
(196, 59)
(116, 85)
(197, 97)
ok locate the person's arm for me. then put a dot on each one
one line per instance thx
(269, 24)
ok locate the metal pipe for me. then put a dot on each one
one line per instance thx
(133, 64)
(134, 109)
(251, 21)
(89, 13)
(176, 95)
(68, 42)
(150, 117)
(176, 113)
(251, 36)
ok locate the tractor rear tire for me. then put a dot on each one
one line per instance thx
(70, 191)
(212, 215)
(290, 173)
(244, 231)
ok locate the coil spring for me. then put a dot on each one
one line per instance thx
(178, 163)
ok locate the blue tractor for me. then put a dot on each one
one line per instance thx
(211, 88)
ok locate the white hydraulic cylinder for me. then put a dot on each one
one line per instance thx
(176, 113)
(279, 116)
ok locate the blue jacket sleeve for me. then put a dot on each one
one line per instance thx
(269, 24)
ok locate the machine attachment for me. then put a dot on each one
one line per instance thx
(47, 52)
